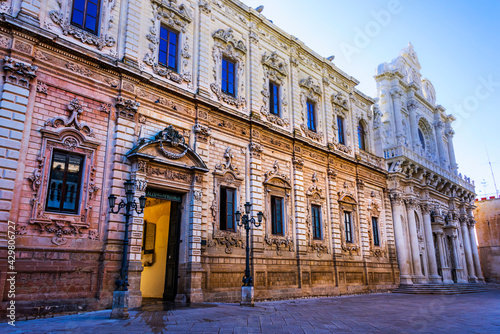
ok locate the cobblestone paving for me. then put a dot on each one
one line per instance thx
(380, 313)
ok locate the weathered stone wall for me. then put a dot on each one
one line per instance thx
(487, 215)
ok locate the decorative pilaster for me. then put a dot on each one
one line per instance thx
(411, 205)
(412, 106)
(401, 247)
(475, 253)
(300, 209)
(438, 126)
(429, 243)
(396, 95)
(468, 253)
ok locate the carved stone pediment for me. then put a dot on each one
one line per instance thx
(227, 37)
(315, 189)
(276, 178)
(278, 66)
(310, 85)
(76, 109)
(167, 147)
(172, 14)
(340, 100)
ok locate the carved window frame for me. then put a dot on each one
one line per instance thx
(340, 107)
(177, 18)
(278, 185)
(315, 197)
(63, 18)
(347, 203)
(62, 224)
(375, 212)
(227, 46)
(276, 72)
(311, 92)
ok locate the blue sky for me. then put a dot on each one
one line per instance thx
(458, 45)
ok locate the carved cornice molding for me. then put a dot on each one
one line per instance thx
(18, 73)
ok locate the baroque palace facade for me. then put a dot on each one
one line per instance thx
(206, 105)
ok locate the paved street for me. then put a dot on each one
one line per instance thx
(380, 313)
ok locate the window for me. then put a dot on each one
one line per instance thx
(348, 227)
(227, 206)
(228, 77)
(316, 221)
(421, 137)
(274, 99)
(361, 137)
(277, 215)
(167, 54)
(64, 183)
(340, 126)
(311, 116)
(85, 15)
(376, 239)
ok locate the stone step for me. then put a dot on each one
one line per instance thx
(457, 288)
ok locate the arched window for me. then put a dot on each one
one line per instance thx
(361, 137)
(421, 137)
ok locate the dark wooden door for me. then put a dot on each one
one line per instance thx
(172, 270)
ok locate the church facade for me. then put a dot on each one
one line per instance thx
(204, 106)
(431, 202)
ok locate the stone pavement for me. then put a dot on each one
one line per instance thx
(378, 313)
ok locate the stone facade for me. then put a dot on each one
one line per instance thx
(105, 97)
(431, 202)
(487, 214)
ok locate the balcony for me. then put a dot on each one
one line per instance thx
(401, 151)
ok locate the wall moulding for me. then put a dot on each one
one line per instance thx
(62, 18)
(275, 71)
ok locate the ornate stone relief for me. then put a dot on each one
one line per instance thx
(126, 107)
(228, 175)
(177, 17)
(226, 45)
(202, 132)
(310, 91)
(18, 73)
(275, 70)
(175, 139)
(255, 150)
(62, 18)
(76, 109)
(315, 196)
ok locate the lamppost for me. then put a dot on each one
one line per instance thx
(120, 295)
(247, 221)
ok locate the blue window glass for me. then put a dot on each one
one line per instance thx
(361, 137)
(316, 220)
(85, 15)
(228, 77)
(274, 99)
(340, 126)
(311, 116)
(167, 53)
(227, 209)
(376, 239)
(348, 227)
(277, 215)
(421, 137)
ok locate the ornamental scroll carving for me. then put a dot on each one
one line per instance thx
(275, 70)
(310, 91)
(226, 45)
(177, 17)
(76, 110)
(175, 139)
(62, 18)
(315, 196)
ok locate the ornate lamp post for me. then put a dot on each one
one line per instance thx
(120, 295)
(247, 221)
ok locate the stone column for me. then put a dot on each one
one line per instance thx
(401, 247)
(468, 253)
(438, 126)
(412, 106)
(398, 118)
(415, 252)
(475, 253)
(451, 151)
(444, 265)
(429, 243)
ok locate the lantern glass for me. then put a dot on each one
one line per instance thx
(129, 186)
(238, 215)
(259, 216)
(248, 207)
(142, 202)
(112, 201)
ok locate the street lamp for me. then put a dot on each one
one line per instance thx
(120, 296)
(247, 221)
